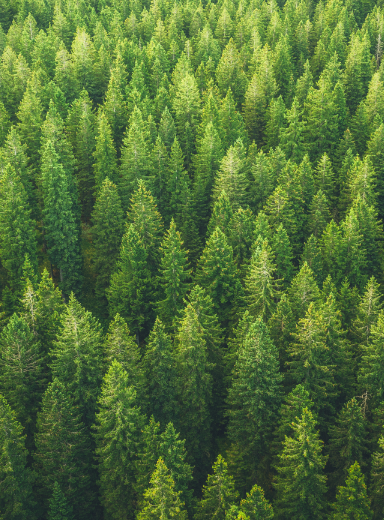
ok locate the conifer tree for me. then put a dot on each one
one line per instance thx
(221, 216)
(107, 231)
(194, 390)
(58, 505)
(131, 288)
(218, 493)
(160, 371)
(300, 482)
(135, 157)
(369, 308)
(63, 452)
(231, 122)
(254, 398)
(117, 428)
(16, 480)
(292, 137)
(282, 249)
(18, 234)
(161, 500)
(255, 506)
(232, 178)
(61, 220)
(30, 120)
(120, 346)
(303, 291)
(105, 153)
(348, 439)
(319, 214)
(352, 499)
(370, 374)
(217, 273)
(173, 275)
(21, 378)
(76, 358)
(261, 285)
(177, 185)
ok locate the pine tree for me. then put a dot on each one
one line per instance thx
(254, 398)
(261, 285)
(319, 214)
(61, 220)
(120, 346)
(300, 482)
(58, 505)
(256, 506)
(160, 371)
(348, 439)
(368, 312)
(221, 216)
(63, 452)
(135, 157)
(282, 250)
(105, 153)
(30, 120)
(173, 275)
(107, 231)
(303, 291)
(218, 493)
(16, 498)
(21, 378)
(240, 235)
(231, 122)
(352, 499)
(217, 273)
(177, 185)
(312, 363)
(18, 235)
(131, 284)
(117, 428)
(292, 137)
(76, 358)
(370, 374)
(194, 390)
(232, 178)
(161, 500)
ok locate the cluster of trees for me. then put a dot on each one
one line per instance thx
(191, 260)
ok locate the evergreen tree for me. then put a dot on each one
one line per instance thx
(16, 498)
(217, 273)
(119, 346)
(58, 505)
(222, 214)
(76, 358)
(131, 289)
(194, 390)
(254, 398)
(118, 423)
(218, 493)
(105, 153)
(161, 500)
(319, 214)
(160, 371)
(18, 234)
(62, 451)
(256, 506)
(107, 231)
(173, 275)
(300, 482)
(61, 220)
(370, 374)
(281, 247)
(352, 499)
(21, 378)
(348, 439)
(261, 285)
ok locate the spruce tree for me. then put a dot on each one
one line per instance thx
(352, 499)
(217, 273)
(218, 493)
(160, 371)
(76, 358)
(18, 230)
(63, 452)
(282, 250)
(105, 153)
(61, 220)
(173, 275)
(120, 346)
(117, 428)
(300, 482)
(348, 440)
(370, 372)
(161, 500)
(256, 506)
(254, 398)
(16, 480)
(107, 231)
(58, 505)
(221, 216)
(261, 285)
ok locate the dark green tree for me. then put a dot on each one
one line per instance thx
(58, 505)
(300, 482)
(219, 493)
(117, 428)
(352, 499)
(105, 165)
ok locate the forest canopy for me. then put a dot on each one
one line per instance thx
(191, 260)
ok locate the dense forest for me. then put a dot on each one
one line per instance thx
(192, 260)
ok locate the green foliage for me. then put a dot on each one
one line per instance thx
(352, 499)
(58, 505)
